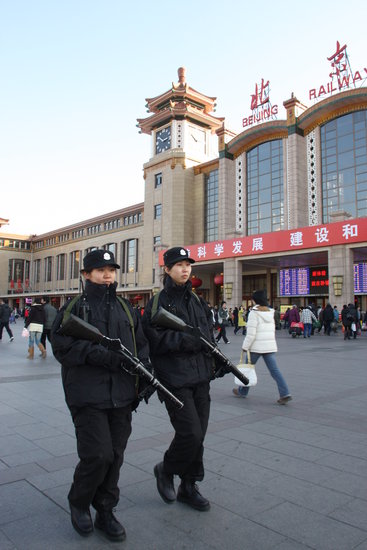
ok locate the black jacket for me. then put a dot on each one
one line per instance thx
(328, 314)
(347, 317)
(36, 315)
(5, 313)
(91, 374)
(178, 358)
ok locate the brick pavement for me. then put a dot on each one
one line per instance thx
(278, 477)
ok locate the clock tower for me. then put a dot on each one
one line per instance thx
(183, 135)
(181, 121)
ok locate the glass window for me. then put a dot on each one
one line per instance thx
(344, 140)
(74, 264)
(211, 206)
(265, 187)
(157, 211)
(48, 269)
(157, 180)
(37, 271)
(60, 267)
(111, 247)
(132, 262)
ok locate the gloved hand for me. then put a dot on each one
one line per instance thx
(220, 369)
(146, 389)
(146, 392)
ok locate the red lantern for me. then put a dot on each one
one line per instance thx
(218, 279)
(196, 282)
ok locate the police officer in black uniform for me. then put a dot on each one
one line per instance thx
(183, 367)
(99, 394)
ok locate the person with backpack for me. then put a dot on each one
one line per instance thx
(99, 393)
(181, 364)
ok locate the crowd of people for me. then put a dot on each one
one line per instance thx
(351, 320)
(101, 390)
(327, 319)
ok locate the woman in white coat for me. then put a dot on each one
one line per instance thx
(260, 341)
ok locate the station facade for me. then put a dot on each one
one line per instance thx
(281, 206)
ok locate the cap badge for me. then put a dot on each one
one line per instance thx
(106, 256)
(183, 252)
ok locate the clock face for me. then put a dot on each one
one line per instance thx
(163, 139)
(197, 139)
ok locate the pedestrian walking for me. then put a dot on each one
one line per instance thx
(260, 341)
(328, 318)
(99, 394)
(223, 317)
(307, 318)
(50, 316)
(347, 319)
(181, 364)
(5, 313)
(34, 323)
(353, 316)
(242, 319)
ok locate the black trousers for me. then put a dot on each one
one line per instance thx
(7, 328)
(222, 333)
(184, 456)
(46, 332)
(102, 436)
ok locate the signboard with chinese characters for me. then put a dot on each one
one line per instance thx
(341, 75)
(319, 280)
(293, 240)
(262, 109)
(294, 281)
(360, 278)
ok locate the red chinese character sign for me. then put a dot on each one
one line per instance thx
(293, 240)
(261, 108)
(341, 75)
(260, 97)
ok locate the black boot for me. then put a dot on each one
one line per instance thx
(81, 520)
(188, 493)
(164, 484)
(105, 521)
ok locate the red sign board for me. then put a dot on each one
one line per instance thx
(293, 240)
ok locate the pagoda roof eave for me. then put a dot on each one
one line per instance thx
(187, 92)
(157, 119)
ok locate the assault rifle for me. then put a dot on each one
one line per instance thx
(77, 328)
(164, 318)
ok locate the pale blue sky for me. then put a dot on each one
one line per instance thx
(75, 75)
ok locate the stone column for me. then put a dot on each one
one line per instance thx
(341, 265)
(233, 276)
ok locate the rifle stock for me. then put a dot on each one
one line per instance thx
(164, 318)
(77, 328)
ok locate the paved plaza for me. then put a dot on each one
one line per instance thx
(288, 477)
